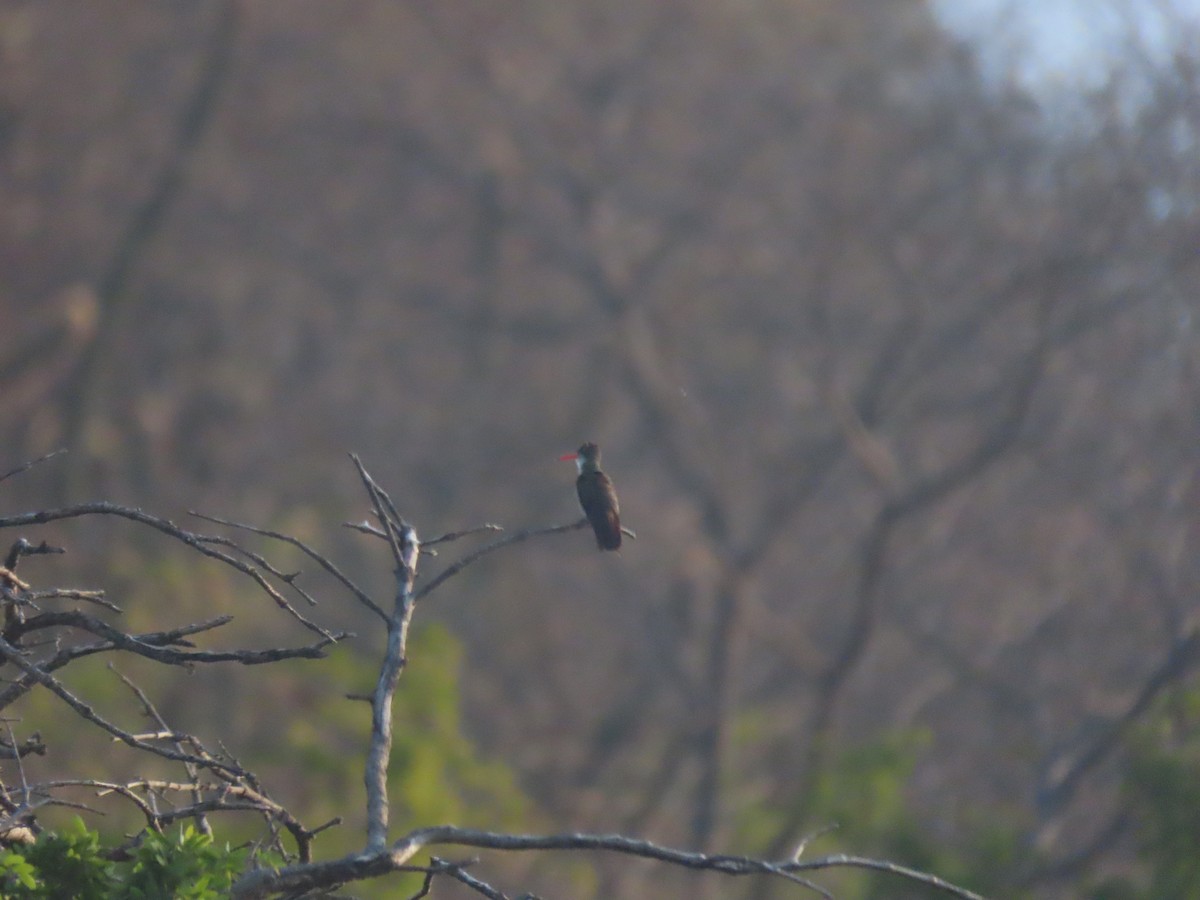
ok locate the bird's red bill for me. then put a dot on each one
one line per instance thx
(566, 456)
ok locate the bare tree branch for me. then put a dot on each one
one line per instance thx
(458, 535)
(96, 597)
(22, 547)
(320, 559)
(152, 711)
(516, 537)
(406, 550)
(13, 655)
(155, 646)
(31, 745)
(196, 541)
(1063, 775)
(459, 873)
(29, 465)
(265, 882)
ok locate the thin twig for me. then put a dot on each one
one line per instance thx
(152, 711)
(20, 766)
(32, 745)
(155, 646)
(33, 462)
(103, 787)
(457, 535)
(96, 597)
(288, 578)
(385, 509)
(197, 541)
(218, 800)
(13, 655)
(427, 883)
(426, 546)
(247, 799)
(319, 558)
(22, 547)
(458, 872)
(516, 537)
(18, 687)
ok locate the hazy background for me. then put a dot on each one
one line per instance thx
(886, 325)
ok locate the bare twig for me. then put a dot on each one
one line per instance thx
(154, 646)
(31, 745)
(66, 654)
(386, 512)
(809, 838)
(22, 547)
(103, 787)
(96, 597)
(13, 655)
(20, 766)
(152, 711)
(320, 559)
(217, 798)
(433, 869)
(368, 528)
(457, 535)
(196, 541)
(288, 578)
(507, 541)
(458, 871)
(29, 465)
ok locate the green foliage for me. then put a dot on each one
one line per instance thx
(863, 787)
(864, 793)
(17, 874)
(303, 733)
(67, 863)
(437, 774)
(72, 863)
(187, 867)
(1162, 785)
(865, 790)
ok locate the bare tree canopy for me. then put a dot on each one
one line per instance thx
(896, 378)
(217, 782)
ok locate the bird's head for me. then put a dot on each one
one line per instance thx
(587, 457)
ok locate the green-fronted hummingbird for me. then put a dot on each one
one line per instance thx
(597, 497)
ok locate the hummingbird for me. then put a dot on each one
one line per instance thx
(597, 496)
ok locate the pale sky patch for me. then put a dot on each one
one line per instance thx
(1056, 45)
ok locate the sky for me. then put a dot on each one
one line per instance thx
(1057, 45)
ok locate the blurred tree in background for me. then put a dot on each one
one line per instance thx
(895, 373)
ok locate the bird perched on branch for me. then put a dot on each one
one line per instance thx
(597, 497)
